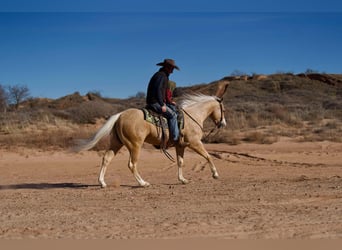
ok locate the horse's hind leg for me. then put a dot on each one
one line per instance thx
(180, 162)
(116, 145)
(132, 165)
(105, 162)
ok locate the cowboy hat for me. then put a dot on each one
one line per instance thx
(168, 62)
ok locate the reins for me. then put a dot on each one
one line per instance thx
(168, 155)
(163, 148)
(193, 119)
(201, 127)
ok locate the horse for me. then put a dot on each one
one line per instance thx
(128, 128)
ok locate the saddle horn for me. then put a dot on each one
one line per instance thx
(221, 88)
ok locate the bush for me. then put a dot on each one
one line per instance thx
(88, 112)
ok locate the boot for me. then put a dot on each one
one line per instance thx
(181, 141)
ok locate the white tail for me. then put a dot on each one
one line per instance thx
(104, 131)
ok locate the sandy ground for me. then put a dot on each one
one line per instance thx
(279, 191)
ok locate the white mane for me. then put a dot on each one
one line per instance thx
(188, 100)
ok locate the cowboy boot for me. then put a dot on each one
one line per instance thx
(181, 141)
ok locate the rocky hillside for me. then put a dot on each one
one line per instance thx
(260, 108)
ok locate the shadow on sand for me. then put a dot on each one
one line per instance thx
(45, 186)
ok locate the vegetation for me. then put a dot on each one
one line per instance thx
(3, 99)
(14, 95)
(304, 107)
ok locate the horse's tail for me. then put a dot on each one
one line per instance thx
(86, 144)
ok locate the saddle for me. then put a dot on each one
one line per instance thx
(160, 122)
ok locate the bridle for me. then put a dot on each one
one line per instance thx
(218, 124)
(220, 100)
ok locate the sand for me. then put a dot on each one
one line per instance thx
(286, 190)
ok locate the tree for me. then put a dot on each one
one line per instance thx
(17, 94)
(140, 95)
(311, 71)
(237, 73)
(3, 99)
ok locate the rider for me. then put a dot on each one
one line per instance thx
(156, 97)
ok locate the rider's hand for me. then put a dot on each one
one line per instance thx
(164, 108)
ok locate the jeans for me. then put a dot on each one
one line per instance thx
(171, 117)
(173, 107)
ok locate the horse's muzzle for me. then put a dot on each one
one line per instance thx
(221, 124)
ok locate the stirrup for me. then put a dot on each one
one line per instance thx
(182, 143)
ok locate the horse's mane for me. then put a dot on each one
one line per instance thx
(189, 99)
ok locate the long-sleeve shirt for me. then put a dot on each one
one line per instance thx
(169, 92)
(168, 97)
(156, 90)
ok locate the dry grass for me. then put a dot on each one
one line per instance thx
(284, 105)
(257, 111)
(42, 130)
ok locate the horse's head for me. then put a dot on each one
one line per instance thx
(206, 106)
(218, 115)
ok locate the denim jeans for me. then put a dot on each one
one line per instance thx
(171, 117)
(173, 107)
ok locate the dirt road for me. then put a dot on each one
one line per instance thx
(279, 191)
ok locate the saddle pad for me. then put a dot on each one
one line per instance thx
(154, 118)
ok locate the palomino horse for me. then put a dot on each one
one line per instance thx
(129, 129)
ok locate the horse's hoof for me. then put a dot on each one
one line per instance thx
(102, 183)
(145, 184)
(215, 176)
(184, 181)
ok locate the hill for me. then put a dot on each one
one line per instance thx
(259, 108)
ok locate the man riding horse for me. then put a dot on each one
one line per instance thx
(156, 98)
(129, 128)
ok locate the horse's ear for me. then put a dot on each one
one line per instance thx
(221, 88)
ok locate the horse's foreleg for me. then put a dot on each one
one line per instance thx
(199, 148)
(180, 163)
(105, 162)
(132, 165)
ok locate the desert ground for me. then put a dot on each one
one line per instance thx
(285, 190)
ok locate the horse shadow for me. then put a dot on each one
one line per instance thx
(68, 185)
(43, 186)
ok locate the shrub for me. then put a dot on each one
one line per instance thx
(88, 112)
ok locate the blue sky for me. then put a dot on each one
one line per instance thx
(59, 47)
